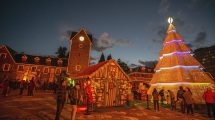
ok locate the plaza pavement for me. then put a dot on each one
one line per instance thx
(42, 107)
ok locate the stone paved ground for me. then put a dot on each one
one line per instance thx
(42, 107)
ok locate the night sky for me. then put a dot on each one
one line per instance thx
(132, 30)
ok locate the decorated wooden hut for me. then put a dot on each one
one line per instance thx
(110, 84)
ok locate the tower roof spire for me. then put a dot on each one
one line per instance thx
(171, 28)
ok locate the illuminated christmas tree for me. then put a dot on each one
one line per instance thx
(177, 67)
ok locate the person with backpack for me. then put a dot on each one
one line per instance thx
(180, 98)
(155, 96)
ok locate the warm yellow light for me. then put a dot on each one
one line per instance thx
(81, 38)
(170, 20)
(25, 78)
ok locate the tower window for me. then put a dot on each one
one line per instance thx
(78, 67)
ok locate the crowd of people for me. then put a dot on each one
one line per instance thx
(73, 95)
(185, 99)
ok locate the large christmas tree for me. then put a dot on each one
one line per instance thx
(177, 67)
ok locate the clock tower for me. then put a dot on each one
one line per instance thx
(79, 55)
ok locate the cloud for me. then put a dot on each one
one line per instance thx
(164, 7)
(66, 35)
(132, 65)
(200, 39)
(160, 34)
(105, 41)
(150, 64)
(93, 58)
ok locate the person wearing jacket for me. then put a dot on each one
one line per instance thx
(60, 94)
(188, 100)
(155, 95)
(209, 97)
(180, 98)
(75, 98)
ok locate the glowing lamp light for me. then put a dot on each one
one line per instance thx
(177, 41)
(178, 53)
(81, 108)
(170, 20)
(25, 78)
(178, 66)
(179, 83)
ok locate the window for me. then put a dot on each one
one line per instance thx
(60, 62)
(24, 58)
(48, 61)
(6, 67)
(78, 67)
(34, 69)
(46, 70)
(3, 55)
(58, 71)
(21, 68)
(36, 59)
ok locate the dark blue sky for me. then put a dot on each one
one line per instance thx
(132, 30)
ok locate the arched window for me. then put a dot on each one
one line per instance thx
(24, 58)
(36, 59)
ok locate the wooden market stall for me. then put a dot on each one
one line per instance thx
(109, 83)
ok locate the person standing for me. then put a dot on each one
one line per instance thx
(5, 87)
(75, 98)
(155, 95)
(31, 87)
(21, 87)
(188, 100)
(172, 100)
(209, 97)
(161, 93)
(180, 98)
(60, 95)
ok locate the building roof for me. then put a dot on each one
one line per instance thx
(92, 69)
(89, 35)
(88, 72)
(30, 58)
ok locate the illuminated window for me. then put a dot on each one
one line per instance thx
(36, 59)
(48, 61)
(3, 55)
(58, 71)
(46, 70)
(33, 69)
(24, 58)
(6, 67)
(78, 67)
(21, 68)
(60, 62)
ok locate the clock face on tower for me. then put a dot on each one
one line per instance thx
(81, 38)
